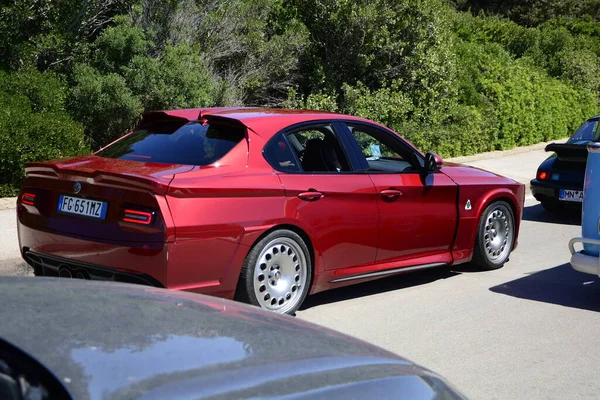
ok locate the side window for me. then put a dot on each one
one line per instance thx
(383, 152)
(315, 148)
(280, 155)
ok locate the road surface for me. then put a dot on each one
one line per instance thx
(526, 331)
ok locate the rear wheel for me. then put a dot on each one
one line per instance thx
(277, 273)
(495, 236)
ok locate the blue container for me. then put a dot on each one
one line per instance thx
(591, 200)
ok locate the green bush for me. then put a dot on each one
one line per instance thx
(34, 125)
(388, 105)
(524, 105)
(456, 77)
(103, 104)
(179, 78)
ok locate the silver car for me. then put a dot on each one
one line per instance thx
(74, 339)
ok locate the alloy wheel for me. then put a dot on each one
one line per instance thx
(280, 275)
(498, 234)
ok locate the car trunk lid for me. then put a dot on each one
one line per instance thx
(125, 192)
(570, 164)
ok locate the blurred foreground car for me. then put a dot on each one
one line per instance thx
(262, 205)
(587, 260)
(559, 179)
(63, 339)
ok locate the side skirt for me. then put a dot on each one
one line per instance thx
(389, 272)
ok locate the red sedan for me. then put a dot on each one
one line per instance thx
(265, 206)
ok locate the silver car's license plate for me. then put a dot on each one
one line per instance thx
(83, 207)
(571, 195)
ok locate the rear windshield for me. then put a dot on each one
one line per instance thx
(175, 142)
(586, 133)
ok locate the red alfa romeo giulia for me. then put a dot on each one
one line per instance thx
(261, 205)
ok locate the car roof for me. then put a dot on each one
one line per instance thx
(119, 340)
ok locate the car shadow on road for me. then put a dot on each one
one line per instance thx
(566, 216)
(378, 286)
(559, 285)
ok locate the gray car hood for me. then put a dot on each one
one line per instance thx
(111, 340)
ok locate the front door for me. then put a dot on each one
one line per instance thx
(417, 211)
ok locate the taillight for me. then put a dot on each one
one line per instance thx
(543, 175)
(28, 198)
(137, 217)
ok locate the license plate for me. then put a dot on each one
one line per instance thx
(83, 207)
(571, 195)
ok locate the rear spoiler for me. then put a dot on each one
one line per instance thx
(188, 114)
(569, 152)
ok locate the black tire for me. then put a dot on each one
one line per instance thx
(284, 271)
(551, 205)
(491, 253)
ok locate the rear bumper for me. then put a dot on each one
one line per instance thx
(582, 262)
(209, 266)
(48, 265)
(550, 190)
(134, 262)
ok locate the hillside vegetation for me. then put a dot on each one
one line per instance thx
(456, 77)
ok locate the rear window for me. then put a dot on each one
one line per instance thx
(587, 132)
(175, 142)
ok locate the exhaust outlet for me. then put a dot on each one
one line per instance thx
(64, 273)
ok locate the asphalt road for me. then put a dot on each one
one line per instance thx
(526, 331)
(10, 259)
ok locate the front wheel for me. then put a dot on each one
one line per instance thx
(277, 273)
(495, 236)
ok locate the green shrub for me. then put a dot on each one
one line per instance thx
(33, 125)
(524, 105)
(179, 78)
(103, 104)
(388, 105)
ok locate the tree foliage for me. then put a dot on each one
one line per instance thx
(34, 125)
(454, 77)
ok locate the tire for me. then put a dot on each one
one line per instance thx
(492, 247)
(277, 273)
(551, 205)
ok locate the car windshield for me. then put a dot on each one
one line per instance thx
(176, 142)
(586, 133)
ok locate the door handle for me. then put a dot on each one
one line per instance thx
(312, 195)
(390, 194)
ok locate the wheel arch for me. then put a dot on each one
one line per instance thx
(283, 226)
(294, 228)
(508, 197)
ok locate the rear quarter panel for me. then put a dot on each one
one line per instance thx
(218, 214)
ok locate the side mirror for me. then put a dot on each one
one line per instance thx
(433, 162)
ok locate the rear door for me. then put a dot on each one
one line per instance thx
(337, 204)
(418, 213)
